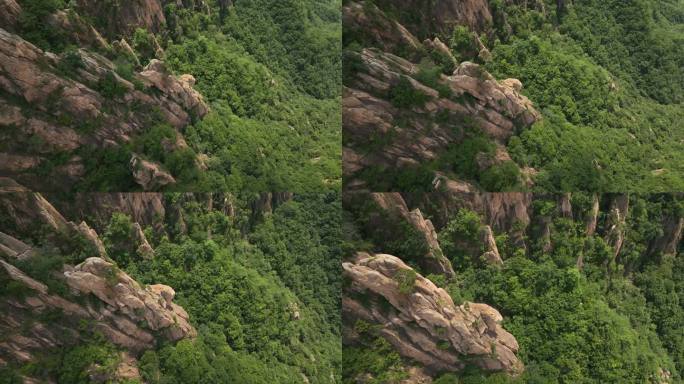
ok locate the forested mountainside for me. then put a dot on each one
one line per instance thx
(184, 95)
(449, 288)
(511, 95)
(169, 288)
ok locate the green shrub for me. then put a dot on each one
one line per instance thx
(430, 76)
(110, 87)
(463, 43)
(406, 279)
(501, 177)
(404, 95)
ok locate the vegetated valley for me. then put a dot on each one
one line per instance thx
(169, 288)
(191, 95)
(453, 288)
(513, 95)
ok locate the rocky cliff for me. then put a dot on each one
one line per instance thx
(406, 103)
(421, 320)
(45, 309)
(405, 246)
(57, 108)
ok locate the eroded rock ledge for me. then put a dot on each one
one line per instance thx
(97, 296)
(423, 323)
(54, 105)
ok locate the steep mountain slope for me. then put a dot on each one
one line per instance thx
(575, 288)
(157, 94)
(513, 95)
(176, 288)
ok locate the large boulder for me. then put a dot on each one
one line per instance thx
(151, 176)
(421, 320)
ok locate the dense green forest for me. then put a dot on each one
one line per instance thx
(608, 78)
(261, 288)
(617, 319)
(271, 72)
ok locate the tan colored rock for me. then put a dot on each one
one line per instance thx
(14, 248)
(438, 46)
(564, 205)
(514, 84)
(393, 208)
(124, 17)
(424, 325)
(382, 30)
(77, 30)
(615, 223)
(164, 291)
(491, 251)
(124, 48)
(149, 175)
(127, 368)
(9, 14)
(180, 90)
(592, 216)
(10, 163)
(125, 296)
(667, 244)
(28, 73)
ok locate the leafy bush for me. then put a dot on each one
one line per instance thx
(404, 95)
(406, 279)
(501, 177)
(110, 87)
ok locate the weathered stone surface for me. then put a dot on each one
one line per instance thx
(179, 91)
(491, 251)
(149, 175)
(77, 30)
(368, 20)
(441, 16)
(424, 324)
(143, 247)
(48, 113)
(124, 17)
(668, 242)
(414, 136)
(393, 208)
(145, 208)
(615, 223)
(9, 14)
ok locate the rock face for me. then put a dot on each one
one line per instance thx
(149, 175)
(424, 324)
(491, 251)
(96, 294)
(615, 223)
(145, 208)
(124, 17)
(127, 299)
(421, 133)
(668, 242)
(392, 208)
(48, 113)
(382, 132)
(9, 14)
(441, 16)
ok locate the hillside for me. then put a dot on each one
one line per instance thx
(155, 95)
(513, 95)
(169, 288)
(452, 288)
